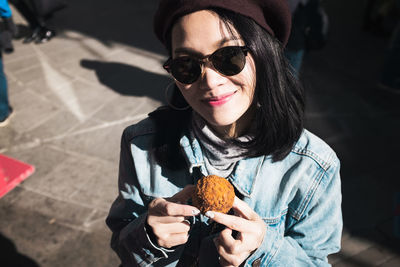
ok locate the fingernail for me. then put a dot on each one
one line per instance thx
(195, 212)
(209, 214)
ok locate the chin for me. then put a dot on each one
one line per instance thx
(221, 122)
(221, 118)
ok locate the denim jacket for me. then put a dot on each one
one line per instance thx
(299, 199)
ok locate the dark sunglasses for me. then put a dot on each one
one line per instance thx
(228, 60)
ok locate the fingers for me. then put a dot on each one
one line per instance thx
(230, 250)
(170, 234)
(165, 212)
(227, 242)
(251, 228)
(230, 221)
(224, 263)
(232, 260)
(164, 219)
(174, 209)
(244, 210)
(162, 207)
(171, 240)
(171, 228)
(167, 218)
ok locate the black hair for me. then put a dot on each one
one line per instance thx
(279, 96)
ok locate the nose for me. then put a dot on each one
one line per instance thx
(210, 78)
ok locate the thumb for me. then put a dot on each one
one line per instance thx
(184, 195)
(242, 209)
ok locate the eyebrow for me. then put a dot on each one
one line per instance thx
(187, 50)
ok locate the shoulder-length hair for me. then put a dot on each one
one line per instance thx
(279, 96)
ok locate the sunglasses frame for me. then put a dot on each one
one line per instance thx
(204, 60)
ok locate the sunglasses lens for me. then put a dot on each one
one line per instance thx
(229, 60)
(185, 69)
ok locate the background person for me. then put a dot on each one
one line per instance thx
(5, 44)
(390, 75)
(5, 108)
(295, 49)
(9, 29)
(309, 30)
(40, 33)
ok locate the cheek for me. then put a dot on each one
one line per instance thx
(250, 78)
(186, 90)
(247, 81)
(183, 87)
(251, 72)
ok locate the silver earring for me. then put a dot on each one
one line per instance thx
(167, 98)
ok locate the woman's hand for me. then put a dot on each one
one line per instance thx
(251, 231)
(166, 217)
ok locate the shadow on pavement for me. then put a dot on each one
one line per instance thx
(128, 80)
(123, 21)
(10, 257)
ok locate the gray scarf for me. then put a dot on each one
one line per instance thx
(220, 156)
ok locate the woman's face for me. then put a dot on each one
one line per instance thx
(223, 101)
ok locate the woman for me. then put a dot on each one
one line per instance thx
(240, 117)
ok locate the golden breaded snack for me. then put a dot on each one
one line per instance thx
(213, 193)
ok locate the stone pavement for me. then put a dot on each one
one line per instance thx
(74, 95)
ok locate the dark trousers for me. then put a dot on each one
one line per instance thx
(27, 9)
(4, 106)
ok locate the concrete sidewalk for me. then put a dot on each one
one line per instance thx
(74, 95)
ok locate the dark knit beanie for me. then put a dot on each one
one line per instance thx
(272, 15)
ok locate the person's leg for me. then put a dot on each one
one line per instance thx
(40, 32)
(295, 58)
(4, 105)
(27, 13)
(390, 77)
(45, 34)
(9, 29)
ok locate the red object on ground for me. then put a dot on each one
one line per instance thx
(12, 173)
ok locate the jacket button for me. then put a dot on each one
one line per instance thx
(256, 263)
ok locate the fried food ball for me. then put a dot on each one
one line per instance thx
(213, 193)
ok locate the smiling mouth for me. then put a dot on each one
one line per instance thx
(219, 100)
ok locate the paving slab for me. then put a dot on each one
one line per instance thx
(394, 262)
(64, 239)
(374, 256)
